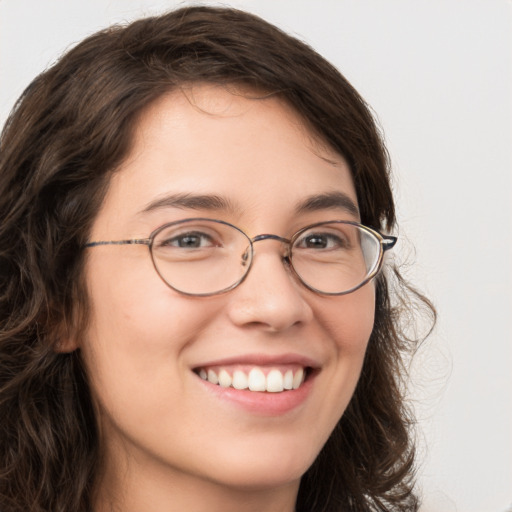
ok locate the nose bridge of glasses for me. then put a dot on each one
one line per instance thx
(277, 238)
(260, 238)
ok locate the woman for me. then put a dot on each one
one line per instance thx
(192, 314)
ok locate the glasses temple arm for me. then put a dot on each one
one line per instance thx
(140, 241)
(388, 242)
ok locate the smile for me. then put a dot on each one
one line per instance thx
(255, 378)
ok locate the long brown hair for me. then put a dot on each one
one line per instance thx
(69, 131)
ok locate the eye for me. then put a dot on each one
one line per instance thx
(189, 240)
(321, 241)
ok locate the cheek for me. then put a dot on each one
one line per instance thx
(138, 327)
(129, 302)
(349, 320)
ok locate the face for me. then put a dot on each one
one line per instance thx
(148, 348)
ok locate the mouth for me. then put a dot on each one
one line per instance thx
(259, 379)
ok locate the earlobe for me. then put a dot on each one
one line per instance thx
(65, 345)
(65, 340)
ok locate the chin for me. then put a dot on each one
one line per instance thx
(274, 469)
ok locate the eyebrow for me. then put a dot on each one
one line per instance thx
(190, 201)
(331, 200)
(328, 201)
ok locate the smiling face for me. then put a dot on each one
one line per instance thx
(153, 355)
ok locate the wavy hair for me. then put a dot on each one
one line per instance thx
(66, 135)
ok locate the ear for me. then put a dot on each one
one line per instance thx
(65, 345)
(65, 339)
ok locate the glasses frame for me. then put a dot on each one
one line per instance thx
(386, 242)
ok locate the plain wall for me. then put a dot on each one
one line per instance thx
(438, 73)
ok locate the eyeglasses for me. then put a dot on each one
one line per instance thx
(203, 257)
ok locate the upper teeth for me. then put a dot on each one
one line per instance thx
(255, 380)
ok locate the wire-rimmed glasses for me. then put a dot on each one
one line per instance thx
(202, 257)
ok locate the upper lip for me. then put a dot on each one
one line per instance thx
(263, 360)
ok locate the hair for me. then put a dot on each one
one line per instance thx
(68, 133)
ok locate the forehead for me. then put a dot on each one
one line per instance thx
(215, 109)
(253, 150)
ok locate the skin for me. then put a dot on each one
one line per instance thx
(168, 443)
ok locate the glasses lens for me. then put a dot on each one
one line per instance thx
(201, 257)
(335, 257)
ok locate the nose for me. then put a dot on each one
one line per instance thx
(270, 297)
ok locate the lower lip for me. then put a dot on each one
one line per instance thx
(263, 403)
